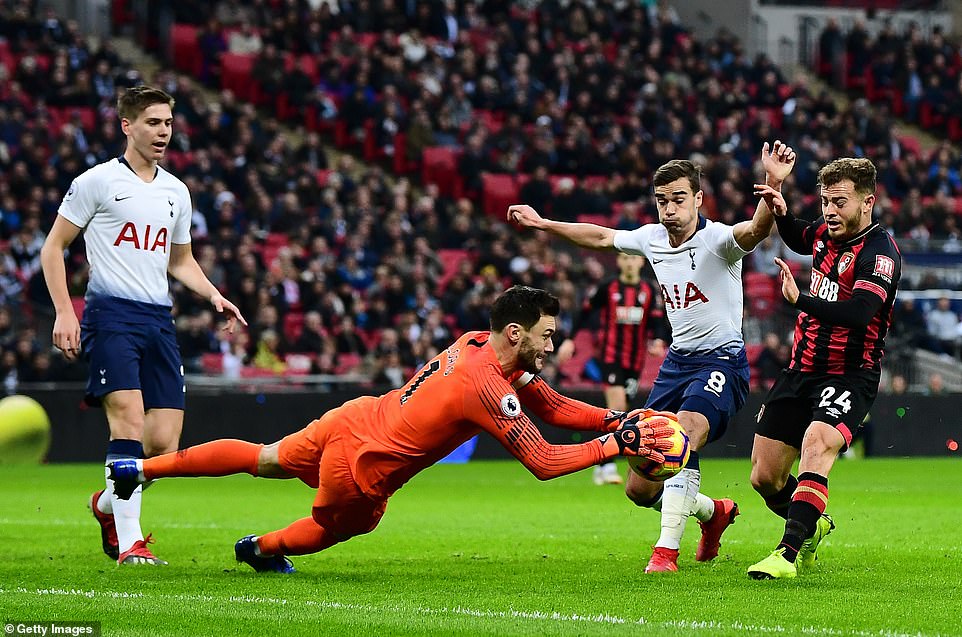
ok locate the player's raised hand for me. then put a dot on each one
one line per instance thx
(774, 199)
(789, 287)
(778, 161)
(223, 306)
(524, 215)
(66, 334)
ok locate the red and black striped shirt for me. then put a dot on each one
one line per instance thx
(842, 325)
(626, 312)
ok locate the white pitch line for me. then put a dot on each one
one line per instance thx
(86, 522)
(551, 616)
(212, 525)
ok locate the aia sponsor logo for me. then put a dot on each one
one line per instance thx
(142, 240)
(675, 299)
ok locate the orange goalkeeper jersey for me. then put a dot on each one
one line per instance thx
(453, 397)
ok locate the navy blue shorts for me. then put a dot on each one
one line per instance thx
(714, 385)
(132, 345)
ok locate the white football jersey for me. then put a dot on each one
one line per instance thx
(701, 281)
(129, 227)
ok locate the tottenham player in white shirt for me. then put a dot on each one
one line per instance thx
(135, 217)
(704, 378)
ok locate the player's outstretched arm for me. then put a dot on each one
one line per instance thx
(561, 411)
(66, 327)
(184, 267)
(586, 235)
(778, 161)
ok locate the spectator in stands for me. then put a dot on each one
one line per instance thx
(268, 355)
(210, 40)
(909, 327)
(898, 386)
(773, 358)
(537, 190)
(935, 385)
(943, 326)
(245, 41)
(268, 71)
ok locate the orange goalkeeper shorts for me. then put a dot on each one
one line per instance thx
(321, 458)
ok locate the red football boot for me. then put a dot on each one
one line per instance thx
(711, 531)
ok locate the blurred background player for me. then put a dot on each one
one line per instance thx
(704, 378)
(359, 454)
(630, 312)
(135, 217)
(820, 401)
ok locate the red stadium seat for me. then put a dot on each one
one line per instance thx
(910, 144)
(598, 220)
(79, 303)
(762, 292)
(347, 363)
(293, 326)
(497, 193)
(451, 259)
(439, 165)
(650, 371)
(298, 364)
(571, 370)
(184, 49)
(212, 363)
(235, 74)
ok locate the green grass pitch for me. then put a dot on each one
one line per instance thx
(485, 549)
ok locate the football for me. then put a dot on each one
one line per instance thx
(675, 458)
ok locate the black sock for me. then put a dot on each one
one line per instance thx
(803, 515)
(779, 502)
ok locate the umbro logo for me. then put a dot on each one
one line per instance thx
(122, 197)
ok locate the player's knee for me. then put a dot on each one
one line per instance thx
(157, 448)
(821, 441)
(345, 526)
(641, 493)
(765, 481)
(269, 462)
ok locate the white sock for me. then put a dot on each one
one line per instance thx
(126, 517)
(704, 507)
(103, 502)
(677, 503)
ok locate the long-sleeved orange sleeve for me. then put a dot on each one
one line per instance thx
(561, 411)
(494, 406)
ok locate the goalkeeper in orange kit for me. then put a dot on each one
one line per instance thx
(360, 453)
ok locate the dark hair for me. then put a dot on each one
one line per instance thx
(860, 171)
(524, 306)
(678, 169)
(137, 98)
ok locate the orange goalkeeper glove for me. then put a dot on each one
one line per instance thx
(632, 440)
(616, 419)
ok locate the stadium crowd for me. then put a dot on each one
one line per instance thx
(341, 264)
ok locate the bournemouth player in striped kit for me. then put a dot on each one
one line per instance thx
(632, 325)
(818, 404)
